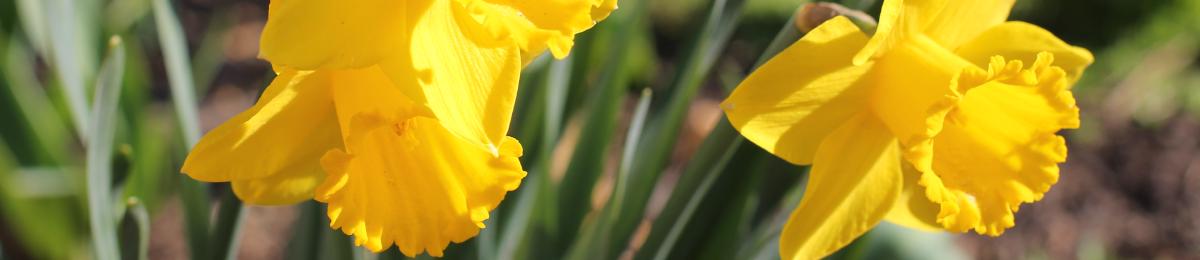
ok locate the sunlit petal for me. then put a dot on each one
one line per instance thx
(1022, 41)
(855, 180)
(289, 129)
(311, 34)
(792, 102)
(468, 81)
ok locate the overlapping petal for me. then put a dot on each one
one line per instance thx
(792, 102)
(468, 82)
(855, 180)
(1023, 41)
(280, 137)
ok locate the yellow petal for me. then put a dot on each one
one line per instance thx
(917, 87)
(949, 23)
(898, 20)
(999, 146)
(282, 189)
(961, 21)
(913, 210)
(409, 182)
(792, 102)
(469, 84)
(289, 129)
(538, 25)
(311, 34)
(1023, 41)
(855, 180)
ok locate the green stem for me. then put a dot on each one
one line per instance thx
(99, 154)
(229, 221)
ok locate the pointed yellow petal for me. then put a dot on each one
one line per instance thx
(961, 21)
(311, 34)
(913, 210)
(469, 83)
(949, 23)
(1023, 41)
(999, 146)
(289, 128)
(899, 20)
(855, 180)
(409, 182)
(792, 102)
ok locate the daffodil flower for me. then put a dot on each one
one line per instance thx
(392, 112)
(945, 119)
(461, 58)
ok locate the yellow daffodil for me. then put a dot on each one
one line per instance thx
(461, 58)
(945, 118)
(392, 112)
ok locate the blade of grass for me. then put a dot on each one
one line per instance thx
(702, 171)
(303, 244)
(194, 197)
(517, 220)
(660, 138)
(193, 194)
(588, 159)
(136, 210)
(694, 185)
(143, 218)
(33, 21)
(729, 220)
(516, 227)
(554, 85)
(764, 240)
(229, 221)
(34, 104)
(597, 234)
(179, 72)
(183, 93)
(72, 59)
(99, 153)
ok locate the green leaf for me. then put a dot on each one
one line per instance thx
(655, 148)
(604, 104)
(99, 153)
(194, 197)
(597, 234)
(705, 168)
(179, 71)
(135, 230)
(72, 56)
(229, 221)
(693, 187)
(47, 135)
(305, 239)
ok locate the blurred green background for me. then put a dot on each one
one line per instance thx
(628, 154)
